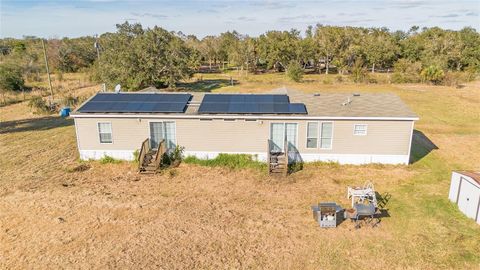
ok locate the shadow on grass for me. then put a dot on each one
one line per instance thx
(206, 85)
(382, 201)
(295, 160)
(34, 124)
(421, 146)
(10, 102)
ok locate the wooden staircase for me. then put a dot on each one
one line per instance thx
(277, 161)
(149, 160)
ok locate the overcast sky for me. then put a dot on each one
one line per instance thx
(88, 17)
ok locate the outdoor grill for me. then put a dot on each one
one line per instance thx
(328, 214)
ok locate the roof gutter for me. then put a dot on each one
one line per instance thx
(241, 117)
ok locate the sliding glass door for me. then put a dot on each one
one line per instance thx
(162, 131)
(281, 132)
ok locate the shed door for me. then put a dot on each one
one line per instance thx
(468, 198)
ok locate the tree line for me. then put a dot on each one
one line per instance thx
(137, 57)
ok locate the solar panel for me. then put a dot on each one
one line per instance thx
(134, 102)
(297, 108)
(249, 104)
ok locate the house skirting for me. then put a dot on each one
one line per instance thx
(98, 154)
(356, 159)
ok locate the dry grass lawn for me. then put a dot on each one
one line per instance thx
(58, 212)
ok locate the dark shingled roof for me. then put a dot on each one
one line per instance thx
(341, 105)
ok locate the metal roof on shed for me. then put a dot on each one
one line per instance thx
(474, 175)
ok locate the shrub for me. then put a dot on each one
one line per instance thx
(59, 76)
(177, 153)
(70, 100)
(38, 104)
(359, 72)
(327, 81)
(295, 71)
(372, 80)
(136, 154)
(295, 167)
(172, 173)
(11, 78)
(339, 78)
(232, 161)
(458, 78)
(79, 168)
(433, 74)
(406, 71)
(174, 157)
(108, 159)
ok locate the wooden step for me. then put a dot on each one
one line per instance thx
(278, 163)
(147, 172)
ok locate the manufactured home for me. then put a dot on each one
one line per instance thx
(339, 127)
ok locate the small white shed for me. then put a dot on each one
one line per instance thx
(465, 192)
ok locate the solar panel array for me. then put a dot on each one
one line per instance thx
(136, 103)
(250, 104)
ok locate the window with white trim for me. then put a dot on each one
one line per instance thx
(360, 130)
(105, 132)
(312, 134)
(326, 134)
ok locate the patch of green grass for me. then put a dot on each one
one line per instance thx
(136, 155)
(108, 159)
(334, 164)
(232, 161)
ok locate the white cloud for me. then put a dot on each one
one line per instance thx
(76, 18)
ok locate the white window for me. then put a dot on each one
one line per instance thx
(360, 130)
(326, 135)
(312, 135)
(105, 132)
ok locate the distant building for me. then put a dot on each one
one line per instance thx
(340, 127)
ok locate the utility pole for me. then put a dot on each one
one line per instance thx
(97, 47)
(48, 73)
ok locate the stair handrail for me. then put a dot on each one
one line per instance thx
(160, 151)
(269, 155)
(285, 152)
(143, 151)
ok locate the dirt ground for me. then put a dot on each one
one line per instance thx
(58, 212)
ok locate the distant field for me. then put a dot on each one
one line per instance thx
(55, 214)
(71, 84)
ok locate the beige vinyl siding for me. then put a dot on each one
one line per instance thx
(223, 136)
(127, 134)
(217, 135)
(383, 138)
